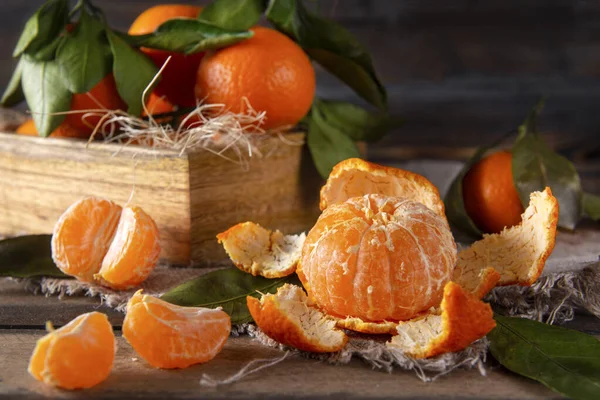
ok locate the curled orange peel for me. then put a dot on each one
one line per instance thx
(288, 318)
(516, 255)
(355, 177)
(260, 251)
(358, 325)
(462, 319)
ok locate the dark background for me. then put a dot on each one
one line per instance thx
(460, 73)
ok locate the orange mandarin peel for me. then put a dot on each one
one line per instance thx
(355, 177)
(289, 318)
(381, 259)
(462, 320)
(517, 254)
(96, 240)
(170, 336)
(77, 356)
(259, 251)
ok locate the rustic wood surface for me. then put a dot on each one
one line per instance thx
(23, 315)
(191, 197)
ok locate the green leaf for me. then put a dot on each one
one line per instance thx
(591, 206)
(332, 46)
(43, 27)
(225, 288)
(356, 122)
(13, 94)
(28, 256)
(564, 360)
(84, 56)
(327, 144)
(189, 36)
(133, 72)
(45, 93)
(233, 14)
(535, 166)
(48, 52)
(454, 201)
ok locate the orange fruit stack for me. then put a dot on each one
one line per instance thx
(490, 197)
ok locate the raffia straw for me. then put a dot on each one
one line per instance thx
(229, 135)
(208, 381)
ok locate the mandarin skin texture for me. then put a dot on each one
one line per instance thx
(377, 258)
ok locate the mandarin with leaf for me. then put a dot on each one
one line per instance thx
(490, 196)
(103, 96)
(269, 70)
(177, 79)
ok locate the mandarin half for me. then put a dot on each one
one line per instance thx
(377, 258)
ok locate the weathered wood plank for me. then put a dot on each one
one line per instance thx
(294, 378)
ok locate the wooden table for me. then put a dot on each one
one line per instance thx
(23, 315)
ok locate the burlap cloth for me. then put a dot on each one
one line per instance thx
(570, 282)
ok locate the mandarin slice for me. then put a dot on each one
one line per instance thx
(377, 258)
(259, 251)
(463, 319)
(78, 355)
(133, 253)
(355, 177)
(83, 235)
(170, 336)
(288, 318)
(517, 254)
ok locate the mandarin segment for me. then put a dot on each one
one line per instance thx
(288, 318)
(377, 258)
(170, 336)
(518, 254)
(133, 253)
(354, 177)
(463, 319)
(259, 251)
(83, 235)
(78, 355)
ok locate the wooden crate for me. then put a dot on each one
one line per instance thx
(192, 197)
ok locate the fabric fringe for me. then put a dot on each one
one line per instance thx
(554, 298)
(373, 351)
(162, 279)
